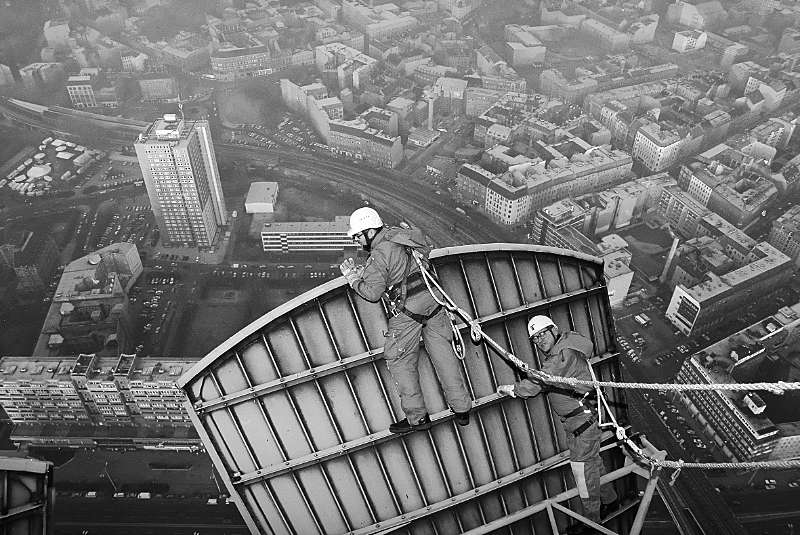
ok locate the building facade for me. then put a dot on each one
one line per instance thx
(90, 390)
(785, 234)
(740, 434)
(81, 92)
(702, 307)
(357, 140)
(290, 237)
(182, 179)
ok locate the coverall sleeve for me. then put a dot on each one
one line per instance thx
(564, 364)
(375, 277)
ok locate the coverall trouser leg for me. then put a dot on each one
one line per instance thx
(587, 467)
(401, 352)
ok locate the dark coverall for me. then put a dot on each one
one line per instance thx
(568, 358)
(388, 264)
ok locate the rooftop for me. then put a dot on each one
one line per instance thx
(339, 225)
(262, 192)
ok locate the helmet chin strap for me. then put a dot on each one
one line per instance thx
(368, 239)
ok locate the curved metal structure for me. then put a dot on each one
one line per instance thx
(294, 409)
(26, 496)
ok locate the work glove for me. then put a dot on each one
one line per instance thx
(506, 390)
(350, 271)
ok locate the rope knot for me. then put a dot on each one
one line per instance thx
(475, 332)
(674, 477)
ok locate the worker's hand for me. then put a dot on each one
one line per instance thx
(350, 271)
(506, 390)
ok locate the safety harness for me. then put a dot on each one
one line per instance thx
(415, 283)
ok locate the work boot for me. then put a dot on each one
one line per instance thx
(462, 418)
(404, 426)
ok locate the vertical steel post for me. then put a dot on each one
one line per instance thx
(644, 505)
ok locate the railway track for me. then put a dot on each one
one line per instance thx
(436, 217)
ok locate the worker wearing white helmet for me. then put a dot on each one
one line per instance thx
(392, 273)
(566, 355)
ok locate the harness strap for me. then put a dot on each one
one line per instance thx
(421, 318)
(583, 427)
(580, 409)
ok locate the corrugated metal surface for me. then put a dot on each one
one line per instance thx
(26, 496)
(294, 408)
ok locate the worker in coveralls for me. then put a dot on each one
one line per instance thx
(391, 273)
(566, 355)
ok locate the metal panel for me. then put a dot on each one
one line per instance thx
(294, 409)
(26, 496)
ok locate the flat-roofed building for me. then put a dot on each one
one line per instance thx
(681, 210)
(422, 137)
(404, 108)
(606, 36)
(40, 390)
(737, 431)
(93, 390)
(472, 181)
(343, 65)
(737, 193)
(80, 90)
(552, 218)
(261, 198)
(301, 236)
(657, 147)
(90, 311)
(703, 306)
(180, 172)
(357, 140)
(785, 234)
(689, 40)
(148, 386)
(378, 22)
(381, 119)
(700, 16)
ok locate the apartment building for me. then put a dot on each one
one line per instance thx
(513, 196)
(607, 37)
(739, 432)
(785, 234)
(343, 66)
(657, 147)
(377, 22)
(89, 390)
(357, 140)
(738, 193)
(703, 306)
(689, 40)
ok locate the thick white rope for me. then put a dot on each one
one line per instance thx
(477, 334)
(777, 387)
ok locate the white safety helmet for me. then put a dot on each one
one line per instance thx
(539, 323)
(363, 219)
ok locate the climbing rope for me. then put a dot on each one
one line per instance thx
(744, 465)
(477, 335)
(778, 387)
